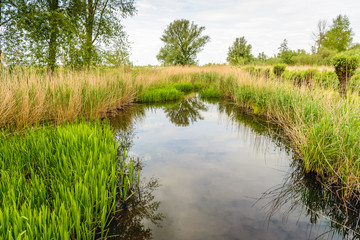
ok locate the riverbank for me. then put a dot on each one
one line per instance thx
(323, 129)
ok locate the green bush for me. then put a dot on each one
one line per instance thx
(278, 69)
(345, 67)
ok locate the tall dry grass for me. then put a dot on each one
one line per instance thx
(30, 98)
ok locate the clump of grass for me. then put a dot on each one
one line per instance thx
(168, 92)
(185, 87)
(210, 93)
(159, 94)
(59, 182)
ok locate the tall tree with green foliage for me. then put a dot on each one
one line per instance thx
(183, 41)
(42, 31)
(240, 52)
(340, 35)
(99, 25)
(35, 30)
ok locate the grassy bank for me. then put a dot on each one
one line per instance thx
(59, 182)
(323, 128)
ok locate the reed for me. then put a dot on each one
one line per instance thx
(30, 97)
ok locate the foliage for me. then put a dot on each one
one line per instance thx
(286, 54)
(345, 67)
(279, 69)
(262, 57)
(339, 37)
(183, 41)
(98, 29)
(40, 28)
(74, 33)
(240, 52)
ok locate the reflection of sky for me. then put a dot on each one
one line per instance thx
(211, 175)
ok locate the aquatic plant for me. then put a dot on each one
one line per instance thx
(60, 182)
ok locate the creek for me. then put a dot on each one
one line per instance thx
(211, 171)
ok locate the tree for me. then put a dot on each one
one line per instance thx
(262, 57)
(34, 30)
(239, 52)
(99, 25)
(78, 31)
(285, 53)
(340, 35)
(183, 41)
(119, 54)
(319, 34)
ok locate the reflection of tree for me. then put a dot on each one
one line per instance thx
(306, 192)
(124, 125)
(141, 206)
(258, 124)
(186, 111)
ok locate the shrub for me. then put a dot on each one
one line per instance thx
(279, 69)
(345, 67)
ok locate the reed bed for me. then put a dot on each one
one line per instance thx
(29, 97)
(60, 182)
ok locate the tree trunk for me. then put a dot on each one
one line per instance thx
(89, 27)
(54, 31)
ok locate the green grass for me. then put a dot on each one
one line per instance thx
(159, 94)
(210, 93)
(168, 92)
(59, 182)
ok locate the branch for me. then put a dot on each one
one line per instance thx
(100, 21)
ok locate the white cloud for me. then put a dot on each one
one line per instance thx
(264, 23)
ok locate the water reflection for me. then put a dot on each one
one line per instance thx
(130, 221)
(304, 192)
(211, 179)
(186, 111)
(266, 131)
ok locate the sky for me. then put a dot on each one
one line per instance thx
(263, 23)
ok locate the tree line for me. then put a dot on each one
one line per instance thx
(81, 33)
(77, 33)
(183, 41)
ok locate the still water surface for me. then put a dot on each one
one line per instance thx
(217, 173)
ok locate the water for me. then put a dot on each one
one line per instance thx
(210, 171)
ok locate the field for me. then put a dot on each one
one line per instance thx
(47, 122)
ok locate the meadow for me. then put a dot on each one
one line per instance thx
(54, 150)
